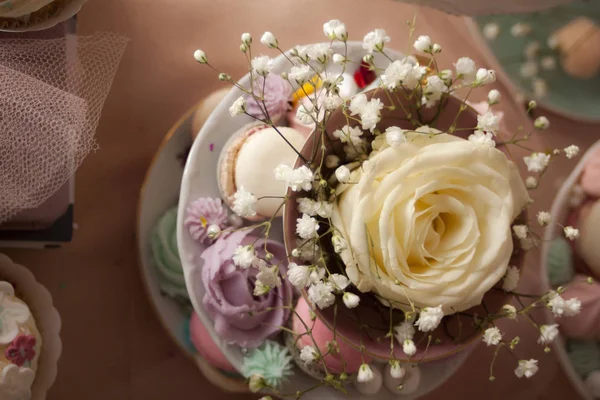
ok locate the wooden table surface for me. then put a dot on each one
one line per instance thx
(114, 346)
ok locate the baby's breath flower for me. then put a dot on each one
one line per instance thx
(552, 42)
(349, 134)
(446, 76)
(571, 151)
(531, 182)
(511, 279)
(200, 56)
(300, 179)
(541, 123)
(540, 87)
(243, 203)
(342, 174)
(269, 40)
(547, 334)
(332, 161)
(246, 39)
(548, 63)
(492, 336)
(339, 282)
(537, 162)
(350, 300)
(402, 73)
(321, 294)
(429, 318)
(404, 330)
(305, 114)
(308, 354)
(544, 218)
(332, 101)
(526, 368)
(307, 205)
(529, 69)
(358, 103)
(557, 305)
(488, 122)
(262, 65)
(300, 74)
(520, 231)
(509, 311)
(485, 139)
(339, 243)
(531, 49)
(257, 382)
(433, 90)
(298, 275)
(335, 29)
(465, 68)
(491, 30)
(571, 233)
(436, 48)
(260, 289)
(409, 348)
(320, 52)
(375, 40)
(395, 136)
(493, 97)
(365, 374)
(269, 276)
(307, 227)
(520, 29)
(396, 370)
(238, 107)
(371, 114)
(485, 76)
(338, 58)
(572, 307)
(423, 44)
(244, 256)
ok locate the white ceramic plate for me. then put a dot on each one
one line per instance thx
(159, 192)
(47, 319)
(200, 179)
(560, 213)
(67, 12)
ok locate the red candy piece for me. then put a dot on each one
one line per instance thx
(363, 76)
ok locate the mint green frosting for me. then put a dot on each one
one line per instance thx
(584, 356)
(560, 262)
(166, 256)
(271, 360)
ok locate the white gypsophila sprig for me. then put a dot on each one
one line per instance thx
(493, 97)
(541, 123)
(521, 231)
(484, 139)
(544, 218)
(321, 294)
(429, 318)
(335, 30)
(491, 30)
(404, 330)
(244, 202)
(423, 44)
(332, 101)
(395, 136)
(509, 311)
(200, 56)
(308, 354)
(298, 275)
(339, 282)
(338, 58)
(306, 114)
(339, 243)
(246, 39)
(262, 65)
(520, 29)
(349, 134)
(526, 368)
(529, 69)
(320, 52)
(409, 348)
(307, 227)
(300, 74)
(547, 334)
(375, 41)
(531, 182)
(342, 174)
(571, 151)
(297, 179)
(433, 90)
(488, 122)
(485, 76)
(511, 279)
(307, 205)
(405, 72)
(350, 300)
(396, 370)
(268, 276)
(269, 40)
(537, 162)
(572, 307)
(492, 336)
(365, 374)
(244, 256)
(465, 69)
(571, 233)
(238, 107)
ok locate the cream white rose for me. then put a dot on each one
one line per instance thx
(429, 221)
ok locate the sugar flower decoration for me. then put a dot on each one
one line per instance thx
(271, 361)
(22, 350)
(201, 214)
(14, 313)
(274, 93)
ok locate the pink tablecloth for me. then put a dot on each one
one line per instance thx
(114, 346)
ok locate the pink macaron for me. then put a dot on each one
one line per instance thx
(586, 324)
(206, 347)
(321, 335)
(590, 177)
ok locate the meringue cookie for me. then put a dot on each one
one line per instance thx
(586, 324)
(249, 159)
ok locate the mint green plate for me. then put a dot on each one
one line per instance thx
(576, 98)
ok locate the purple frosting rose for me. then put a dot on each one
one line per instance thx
(228, 298)
(277, 96)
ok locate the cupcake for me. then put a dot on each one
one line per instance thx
(249, 160)
(29, 334)
(163, 243)
(23, 13)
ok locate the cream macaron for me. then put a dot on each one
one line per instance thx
(249, 160)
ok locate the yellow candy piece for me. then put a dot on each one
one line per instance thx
(306, 89)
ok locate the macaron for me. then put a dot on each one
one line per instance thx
(206, 347)
(589, 235)
(249, 160)
(586, 324)
(590, 176)
(560, 262)
(579, 45)
(272, 94)
(205, 108)
(321, 335)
